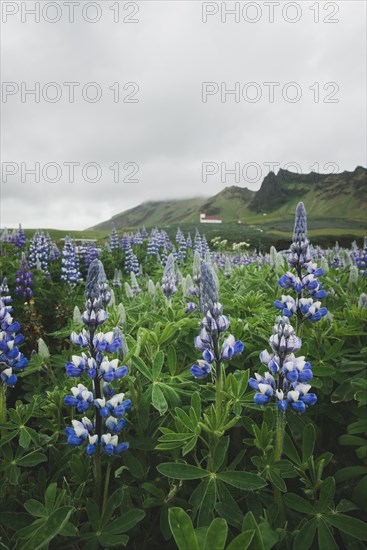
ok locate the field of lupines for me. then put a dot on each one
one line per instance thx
(182, 395)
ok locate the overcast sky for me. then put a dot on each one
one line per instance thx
(167, 134)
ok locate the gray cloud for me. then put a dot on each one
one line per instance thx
(170, 132)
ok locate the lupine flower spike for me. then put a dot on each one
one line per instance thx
(287, 379)
(305, 283)
(213, 325)
(96, 396)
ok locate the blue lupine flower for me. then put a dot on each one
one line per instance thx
(111, 446)
(209, 288)
(11, 359)
(24, 280)
(231, 348)
(114, 240)
(288, 375)
(92, 445)
(201, 369)
(131, 261)
(79, 432)
(70, 264)
(169, 278)
(287, 305)
(212, 325)
(135, 288)
(312, 310)
(81, 398)
(4, 294)
(20, 238)
(100, 370)
(106, 342)
(39, 252)
(114, 424)
(300, 258)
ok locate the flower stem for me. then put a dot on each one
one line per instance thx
(2, 405)
(278, 451)
(97, 475)
(279, 435)
(218, 391)
(106, 487)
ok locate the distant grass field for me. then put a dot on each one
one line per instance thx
(261, 233)
(57, 234)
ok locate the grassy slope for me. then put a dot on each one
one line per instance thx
(340, 199)
(336, 207)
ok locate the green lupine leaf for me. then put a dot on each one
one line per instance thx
(250, 524)
(308, 442)
(157, 365)
(178, 470)
(141, 366)
(242, 480)
(242, 541)
(220, 452)
(290, 450)
(35, 508)
(171, 360)
(182, 529)
(158, 400)
(125, 522)
(298, 503)
(306, 535)
(327, 493)
(107, 540)
(325, 538)
(348, 524)
(32, 459)
(49, 530)
(216, 535)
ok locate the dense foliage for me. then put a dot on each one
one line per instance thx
(213, 454)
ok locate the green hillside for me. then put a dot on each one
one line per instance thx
(332, 200)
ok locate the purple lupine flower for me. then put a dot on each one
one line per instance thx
(24, 280)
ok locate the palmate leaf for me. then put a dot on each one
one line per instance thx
(49, 529)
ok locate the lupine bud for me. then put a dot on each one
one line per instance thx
(209, 288)
(43, 351)
(77, 316)
(353, 274)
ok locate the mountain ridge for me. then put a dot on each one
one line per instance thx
(339, 196)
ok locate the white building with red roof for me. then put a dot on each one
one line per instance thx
(209, 219)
